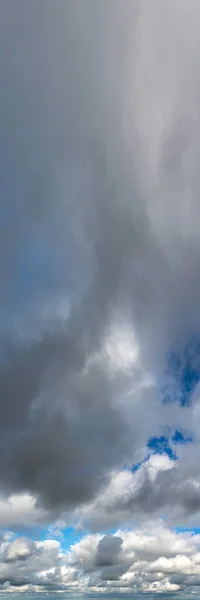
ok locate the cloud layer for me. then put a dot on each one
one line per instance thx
(144, 561)
(100, 293)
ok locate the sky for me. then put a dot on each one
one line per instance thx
(100, 299)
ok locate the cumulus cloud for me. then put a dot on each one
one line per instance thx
(138, 561)
(152, 558)
(159, 485)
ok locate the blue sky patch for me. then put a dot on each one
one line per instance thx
(160, 445)
(182, 374)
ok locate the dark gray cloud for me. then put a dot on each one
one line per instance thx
(99, 167)
(109, 558)
(67, 242)
(57, 424)
(108, 550)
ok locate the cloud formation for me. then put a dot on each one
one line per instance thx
(146, 560)
(100, 293)
(68, 240)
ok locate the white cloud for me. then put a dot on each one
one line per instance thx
(146, 559)
(21, 510)
(121, 501)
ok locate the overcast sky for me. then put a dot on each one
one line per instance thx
(100, 298)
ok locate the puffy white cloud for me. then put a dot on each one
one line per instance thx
(21, 510)
(159, 485)
(150, 559)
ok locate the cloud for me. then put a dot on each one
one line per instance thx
(60, 410)
(158, 486)
(99, 261)
(140, 553)
(145, 560)
(19, 549)
(109, 558)
(108, 550)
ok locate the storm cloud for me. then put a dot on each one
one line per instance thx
(100, 282)
(75, 233)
